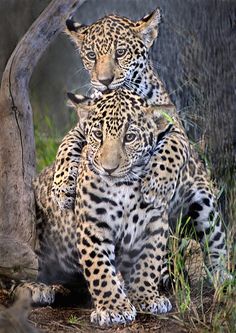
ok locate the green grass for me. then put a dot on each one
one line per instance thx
(47, 135)
(46, 149)
(47, 141)
(73, 320)
(200, 307)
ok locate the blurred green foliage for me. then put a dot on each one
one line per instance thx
(47, 134)
(46, 142)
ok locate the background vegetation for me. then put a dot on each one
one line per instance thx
(195, 57)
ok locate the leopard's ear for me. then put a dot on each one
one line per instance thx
(82, 105)
(167, 111)
(147, 27)
(162, 115)
(75, 31)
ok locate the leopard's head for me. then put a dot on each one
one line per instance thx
(121, 131)
(115, 48)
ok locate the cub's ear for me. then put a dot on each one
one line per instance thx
(72, 25)
(75, 31)
(167, 111)
(82, 105)
(163, 116)
(147, 27)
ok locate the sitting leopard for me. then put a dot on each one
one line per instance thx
(116, 230)
(112, 228)
(124, 62)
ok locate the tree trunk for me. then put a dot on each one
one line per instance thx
(17, 152)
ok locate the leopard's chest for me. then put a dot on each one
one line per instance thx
(119, 206)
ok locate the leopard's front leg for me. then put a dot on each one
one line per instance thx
(66, 168)
(97, 260)
(145, 274)
(162, 171)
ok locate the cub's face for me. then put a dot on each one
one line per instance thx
(119, 144)
(115, 49)
(120, 132)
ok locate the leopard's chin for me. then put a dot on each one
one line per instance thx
(123, 178)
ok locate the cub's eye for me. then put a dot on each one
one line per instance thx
(120, 52)
(129, 137)
(97, 134)
(91, 55)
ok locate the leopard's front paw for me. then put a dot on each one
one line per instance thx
(159, 305)
(157, 191)
(41, 294)
(115, 316)
(63, 197)
(96, 94)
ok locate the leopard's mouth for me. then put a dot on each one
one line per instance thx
(111, 180)
(114, 178)
(129, 175)
(115, 84)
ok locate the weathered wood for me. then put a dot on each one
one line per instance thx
(17, 152)
(17, 261)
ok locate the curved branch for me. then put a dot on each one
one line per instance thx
(42, 32)
(17, 153)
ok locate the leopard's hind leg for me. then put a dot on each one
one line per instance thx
(209, 231)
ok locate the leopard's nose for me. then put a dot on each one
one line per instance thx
(110, 171)
(107, 81)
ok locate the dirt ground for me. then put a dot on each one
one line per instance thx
(202, 314)
(77, 320)
(56, 320)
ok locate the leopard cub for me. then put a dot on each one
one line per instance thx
(116, 230)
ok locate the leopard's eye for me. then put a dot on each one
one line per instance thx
(120, 53)
(98, 134)
(130, 137)
(91, 55)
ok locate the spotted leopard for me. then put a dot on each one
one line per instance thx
(117, 231)
(112, 228)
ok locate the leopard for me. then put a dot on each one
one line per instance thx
(113, 230)
(115, 51)
(117, 231)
